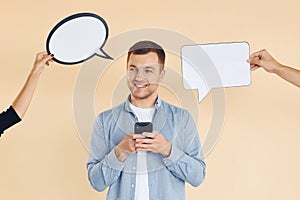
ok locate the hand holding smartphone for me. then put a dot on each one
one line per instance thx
(140, 127)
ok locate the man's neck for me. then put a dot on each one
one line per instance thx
(144, 103)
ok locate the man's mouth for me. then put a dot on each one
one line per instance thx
(141, 85)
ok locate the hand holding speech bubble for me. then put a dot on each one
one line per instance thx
(78, 38)
(209, 66)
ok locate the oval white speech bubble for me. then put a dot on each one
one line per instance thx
(78, 38)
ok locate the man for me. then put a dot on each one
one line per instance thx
(20, 105)
(263, 59)
(152, 165)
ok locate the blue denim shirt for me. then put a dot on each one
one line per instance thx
(166, 176)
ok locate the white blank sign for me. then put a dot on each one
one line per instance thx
(208, 66)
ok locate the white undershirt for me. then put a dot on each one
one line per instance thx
(141, 181)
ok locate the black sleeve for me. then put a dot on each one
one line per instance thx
(8, 118)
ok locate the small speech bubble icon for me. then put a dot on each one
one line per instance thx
(78, 38)
(209, 66)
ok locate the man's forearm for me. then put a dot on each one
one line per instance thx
(167, 150)
(121, 155)
(103, 173)
(185, 167)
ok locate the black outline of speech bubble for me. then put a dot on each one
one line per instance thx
(78, 15)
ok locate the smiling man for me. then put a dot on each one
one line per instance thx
(151, 165)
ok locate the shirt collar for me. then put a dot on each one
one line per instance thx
(127, 103)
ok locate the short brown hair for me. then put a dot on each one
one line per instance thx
(144, 47)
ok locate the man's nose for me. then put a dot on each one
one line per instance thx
(139, 75)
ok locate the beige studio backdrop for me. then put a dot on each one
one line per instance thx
(256, 156)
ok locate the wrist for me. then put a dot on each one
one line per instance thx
(278, 68)
(35, 71)
(167, 150)
(121, 155)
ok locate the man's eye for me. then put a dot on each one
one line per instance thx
(149, 71)
(131, 69)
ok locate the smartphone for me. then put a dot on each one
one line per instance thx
(140, 127)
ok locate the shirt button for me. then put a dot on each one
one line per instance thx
(133, 168)
(132, 185)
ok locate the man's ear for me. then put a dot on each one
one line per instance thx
(162, 75)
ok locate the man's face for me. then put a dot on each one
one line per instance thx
(144, 72)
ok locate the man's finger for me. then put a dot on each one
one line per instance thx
(151, 135)
(142, 146)
(144, 141)
(138, 136)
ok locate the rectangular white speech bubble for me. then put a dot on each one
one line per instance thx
(221, 65)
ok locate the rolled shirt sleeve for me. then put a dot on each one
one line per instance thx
(187, 164)
(103, 166)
